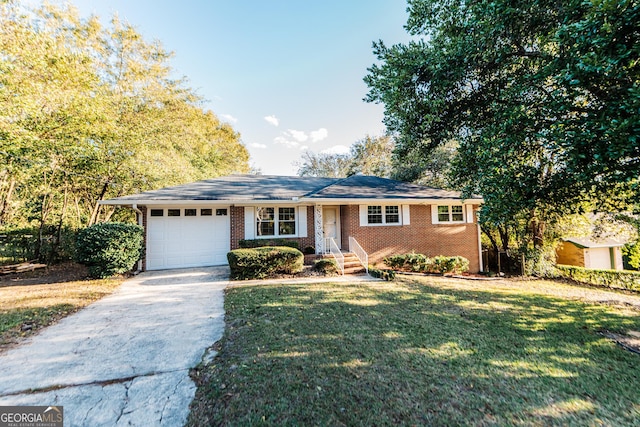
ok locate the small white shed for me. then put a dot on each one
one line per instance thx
(582, 252)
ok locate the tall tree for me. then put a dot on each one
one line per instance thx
(542, 98)
(89, 112)
(371, 155)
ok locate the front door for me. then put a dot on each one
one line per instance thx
(331, 224)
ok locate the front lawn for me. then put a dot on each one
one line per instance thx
(426, 351)
(24, 309)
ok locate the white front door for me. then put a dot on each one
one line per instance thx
(331, 224)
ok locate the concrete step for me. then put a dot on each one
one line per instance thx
(351, 263)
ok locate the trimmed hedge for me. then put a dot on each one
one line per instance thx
(388, 275)
(260, 243)
(628, 280)
(258, 263)
(326, 266)
(419, 263)
(109, 248)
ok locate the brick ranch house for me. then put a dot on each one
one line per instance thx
(196, 224)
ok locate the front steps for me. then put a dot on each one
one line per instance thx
(351, 263)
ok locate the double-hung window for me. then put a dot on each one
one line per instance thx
(450, 214)
(274, 222)
(383, 215)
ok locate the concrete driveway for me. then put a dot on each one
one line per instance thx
(125, 359)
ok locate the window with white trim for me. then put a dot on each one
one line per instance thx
(275, 222)
(382, 215)
(454, 213)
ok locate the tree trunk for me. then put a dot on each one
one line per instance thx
(4, 204)
(96, 206)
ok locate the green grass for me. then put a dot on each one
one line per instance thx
(25, 309)
(417, 352)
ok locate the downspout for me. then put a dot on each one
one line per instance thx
(140, 223)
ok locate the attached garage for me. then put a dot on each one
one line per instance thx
(179, 237)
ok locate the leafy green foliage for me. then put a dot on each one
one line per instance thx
(541, 99)
(419, 263)
(91, 112)
(258, 243)
(326, 266)
(629, 280)
(631, 255)
(379, 273)
(368, 156)
(109, 248)
(258, 263)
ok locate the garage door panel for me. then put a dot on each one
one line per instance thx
(187, 241)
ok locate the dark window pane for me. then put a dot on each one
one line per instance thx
(266, 228)
(287, 228)
(456, 214)
(173, 212)
(206, 212)
(374, 214)
(287, 214)
(443, 213)
(221, 212)
(190, 212)
(157, 212)
(392, 214)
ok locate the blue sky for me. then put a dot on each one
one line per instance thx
(286, 74)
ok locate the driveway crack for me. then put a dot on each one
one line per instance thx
(126, 401)
(99, 383)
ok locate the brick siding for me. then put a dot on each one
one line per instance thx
(420, 236)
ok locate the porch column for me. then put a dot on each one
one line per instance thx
(318, 229)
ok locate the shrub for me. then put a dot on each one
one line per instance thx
(326, 266)
(258, 263)
(419, 263)
(309, 250)
(109, 248)
(629, 280)
(388, 275)
(260, 243)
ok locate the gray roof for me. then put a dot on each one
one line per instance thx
(583, 242)
(249, 188)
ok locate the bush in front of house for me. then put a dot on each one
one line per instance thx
(109, 248)
(259, 243)
(326, 266)
(388, 275)
(629, 280)
(419, 263)
(258, 263)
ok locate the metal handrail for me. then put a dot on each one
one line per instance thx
(360, 253)
(337, 254)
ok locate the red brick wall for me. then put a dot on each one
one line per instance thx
(421, 236)
(237, 225)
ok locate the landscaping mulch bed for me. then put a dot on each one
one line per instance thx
(58, 273)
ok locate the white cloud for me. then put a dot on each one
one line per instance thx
(298, 135)
(304, 147)
(336, 149)
(319, 135)
(286, 142)
(229, 118)
(272, 119)
(256, 145)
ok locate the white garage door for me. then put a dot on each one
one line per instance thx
(599, 258)
(187, 237)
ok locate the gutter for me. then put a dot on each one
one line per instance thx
(141, 224)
